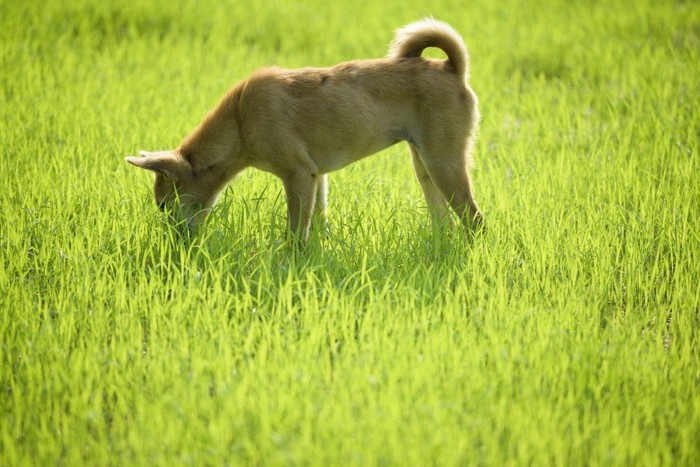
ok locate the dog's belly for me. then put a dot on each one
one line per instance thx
(335, 145)
(336, 157)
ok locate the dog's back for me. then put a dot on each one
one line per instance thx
(343, 113)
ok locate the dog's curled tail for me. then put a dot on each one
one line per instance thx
(412, 39)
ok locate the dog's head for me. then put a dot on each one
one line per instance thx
(176, 189)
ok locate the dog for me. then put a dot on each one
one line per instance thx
(304, 123)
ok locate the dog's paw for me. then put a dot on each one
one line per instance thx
(479, 223)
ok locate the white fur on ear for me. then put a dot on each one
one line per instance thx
(156, 153)
(166, 163)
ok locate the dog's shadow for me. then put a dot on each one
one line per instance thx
(332, 256)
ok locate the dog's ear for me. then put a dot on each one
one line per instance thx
(167, 163)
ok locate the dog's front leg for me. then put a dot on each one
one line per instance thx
(321, 197)
(300, 188)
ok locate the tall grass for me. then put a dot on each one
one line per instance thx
(566, 334)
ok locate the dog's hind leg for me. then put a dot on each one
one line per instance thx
(437, 205)
(451, 177)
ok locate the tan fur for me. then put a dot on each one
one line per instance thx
(302, 124)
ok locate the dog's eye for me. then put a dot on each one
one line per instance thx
(161, 205)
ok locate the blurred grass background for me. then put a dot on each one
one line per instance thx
(565, 335)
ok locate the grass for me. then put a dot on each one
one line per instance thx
(566, 334)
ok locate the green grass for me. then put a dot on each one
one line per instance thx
(567, 334)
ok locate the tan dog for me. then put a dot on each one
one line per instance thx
(302, 124)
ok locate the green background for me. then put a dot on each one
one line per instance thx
(566, 334)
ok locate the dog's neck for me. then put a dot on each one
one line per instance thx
(216, 141)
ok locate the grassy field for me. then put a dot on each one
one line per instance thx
(566, 334)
